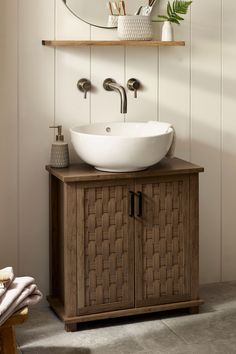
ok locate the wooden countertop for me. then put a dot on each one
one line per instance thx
(85, 173)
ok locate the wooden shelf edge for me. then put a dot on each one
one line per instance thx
(84, 43)
(58, 307)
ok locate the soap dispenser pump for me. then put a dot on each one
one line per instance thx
(59, 151)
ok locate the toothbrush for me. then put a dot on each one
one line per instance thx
(116, 7)
(110, 8)
(138, 11)
(152, 4)
(146, 10)
(122, 8)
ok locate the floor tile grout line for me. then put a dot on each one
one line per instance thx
(171, 330)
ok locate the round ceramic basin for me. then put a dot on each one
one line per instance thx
(122, 147)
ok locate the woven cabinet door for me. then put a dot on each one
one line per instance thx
(105, 247)
(162, 242)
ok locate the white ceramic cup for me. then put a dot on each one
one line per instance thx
(112, 21)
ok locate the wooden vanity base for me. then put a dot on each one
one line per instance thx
(71, 323)
(123, 244)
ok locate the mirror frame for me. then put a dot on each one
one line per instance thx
(91, 24)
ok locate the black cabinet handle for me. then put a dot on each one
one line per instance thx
(131, 211)
(140, 204)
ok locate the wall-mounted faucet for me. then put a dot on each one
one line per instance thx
(111, 85)
(84, 85)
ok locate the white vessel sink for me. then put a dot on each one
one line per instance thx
(122, 147)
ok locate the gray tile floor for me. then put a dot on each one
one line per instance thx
(211, 331)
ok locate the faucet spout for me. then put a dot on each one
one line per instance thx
(111, 85)
(123, 97)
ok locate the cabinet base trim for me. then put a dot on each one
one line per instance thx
(58, 307)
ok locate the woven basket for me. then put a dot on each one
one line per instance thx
(135, 28)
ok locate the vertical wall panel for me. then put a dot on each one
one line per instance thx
(206, 129)
(174, 94)
(72, 64)
(8, 134)
(144, 68)
(229, 142)
(36, 105)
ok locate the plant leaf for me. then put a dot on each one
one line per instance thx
(177, 17)
(181, 7)
(169, 9)
(174, 20)
(178, 7)
(164, 17)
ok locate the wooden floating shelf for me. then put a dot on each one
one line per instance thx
(75, 43)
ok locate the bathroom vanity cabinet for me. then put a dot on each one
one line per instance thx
(123, 243)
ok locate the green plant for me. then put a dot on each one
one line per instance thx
(174, 11)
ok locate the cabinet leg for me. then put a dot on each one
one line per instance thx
(71, 327)
(194, 310)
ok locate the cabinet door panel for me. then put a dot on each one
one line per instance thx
(162, 264)
(106, 248)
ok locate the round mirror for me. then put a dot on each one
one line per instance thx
(96, 12)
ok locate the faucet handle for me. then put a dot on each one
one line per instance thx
(84, 86)
(107, 82)
(133, 85)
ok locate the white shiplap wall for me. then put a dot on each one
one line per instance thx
(192, 87)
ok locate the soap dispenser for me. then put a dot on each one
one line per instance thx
(60, 151)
